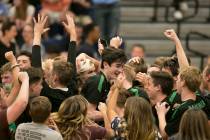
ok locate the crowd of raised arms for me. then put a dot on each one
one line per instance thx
(79, 96)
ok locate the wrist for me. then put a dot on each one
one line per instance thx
(14, 66)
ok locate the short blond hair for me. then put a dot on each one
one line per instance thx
(129, 72)
(192, 77)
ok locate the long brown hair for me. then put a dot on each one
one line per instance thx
(194, 126)
(71, 118)
(21, 10)
(139, 118)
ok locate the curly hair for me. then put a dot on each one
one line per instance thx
(71, 118)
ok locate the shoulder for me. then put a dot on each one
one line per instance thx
(97, 132)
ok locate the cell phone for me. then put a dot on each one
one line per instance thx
(104, 42)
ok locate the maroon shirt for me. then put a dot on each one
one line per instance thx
(4, 126)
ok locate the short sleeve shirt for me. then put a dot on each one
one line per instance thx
(36, 131)
(172, 125)
(96, 89)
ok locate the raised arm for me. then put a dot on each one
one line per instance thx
(161, 111)
(38, 31)
(182, 58)
(15, 70)
(20, 103)
(70, 28)
(111, 105)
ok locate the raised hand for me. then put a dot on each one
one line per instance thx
(102, 108)
(39, 24)
(116, 42)
(70, 27)
(23, 76)
(162, 108)
(10, 57)
(171, 34)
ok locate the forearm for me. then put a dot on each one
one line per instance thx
(182, 58)
(162, 125)
(112, 105)
(107, 125)
(95, 115)
(19, 105)
(16, 86)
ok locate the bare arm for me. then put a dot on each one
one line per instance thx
(161, 111)
(19, 105)
(15, 70)
(111, 105)
(103, 109)
(93, 114)
(182, 58)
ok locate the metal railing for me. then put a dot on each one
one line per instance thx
(200, 54)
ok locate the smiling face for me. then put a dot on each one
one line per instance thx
(113, 70)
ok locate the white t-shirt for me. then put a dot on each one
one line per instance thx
(29, 131)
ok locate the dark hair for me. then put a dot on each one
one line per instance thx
(111, 55)
(87, 29)
(138, 46)
(6, 26)
(35, 75)
(40, 108)
(63, 70)
(25, 53)
(173, 65)
(164, 79)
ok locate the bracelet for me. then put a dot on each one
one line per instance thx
(14, 66)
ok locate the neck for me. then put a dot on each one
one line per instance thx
(58, 85)
(159, 98)
(90, 41)
(106, 75)
(186, 94)
(29, 42)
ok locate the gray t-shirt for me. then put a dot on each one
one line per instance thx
(34, 131)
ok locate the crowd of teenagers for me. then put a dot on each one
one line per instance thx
(80, 97)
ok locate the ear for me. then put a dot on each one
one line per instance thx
(106, 65)
(31, 88)
(158, 88)
(208, 78)
(182, 83)
(175, 78)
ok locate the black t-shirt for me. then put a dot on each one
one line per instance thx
(172, 125)
(171, 100)
(3, 50)
(56, 96)
(140, 92)
(96, 89)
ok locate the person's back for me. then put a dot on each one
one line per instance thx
(40, 108)
(36, 131)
